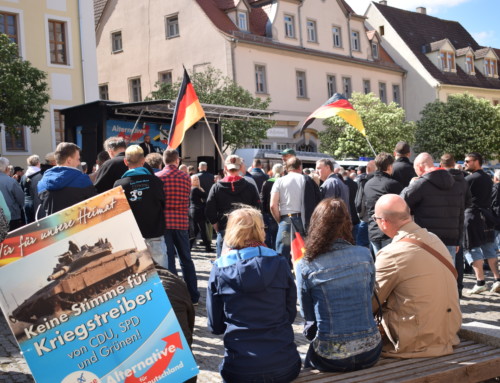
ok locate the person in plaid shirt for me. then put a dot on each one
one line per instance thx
(177, 186)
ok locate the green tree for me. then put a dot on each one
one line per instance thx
(23, 90)
(461, 125)
(213, 88)
(385, 125)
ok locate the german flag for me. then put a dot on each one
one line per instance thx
(297, 245)
(337, 105)
(187, 112)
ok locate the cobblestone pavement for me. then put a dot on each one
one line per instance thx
(209, 349)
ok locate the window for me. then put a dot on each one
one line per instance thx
(289, 26)
(285, 146)
(135, 89)
(260, 79)
(337, 37)
(447, 61)
(469, 65)
(301, 84)
(396, 94)
(264, 146)
(103, 92)
(346, 86)
(165, 77)
(490, 67)
(16, 142)
(382, 92)
(367, 88)
(116, 42)
(375, 50)
(331, 84)
(8, 26)
(312, 36)
(57, 41)
(242, 21)
(59, 126)
(172, 26)
(381, 30)
(355, 41)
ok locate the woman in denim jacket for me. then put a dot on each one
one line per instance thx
(335, 281)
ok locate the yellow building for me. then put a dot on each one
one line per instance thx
(56, 36)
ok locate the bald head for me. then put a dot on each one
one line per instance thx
(423, 163)
(391, 212)
(370, 167)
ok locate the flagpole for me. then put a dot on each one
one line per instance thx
(213, 138)
(371, 147)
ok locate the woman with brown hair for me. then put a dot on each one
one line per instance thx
(335, 281)
(251, 299)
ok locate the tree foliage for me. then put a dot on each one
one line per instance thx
(461, 125)
(23, 90)
(213, 88)
(385, 125)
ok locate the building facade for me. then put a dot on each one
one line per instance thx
(441, 58)
(298, 53)
(56, 36)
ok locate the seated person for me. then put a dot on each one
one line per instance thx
(418, 292)
(335, 282)
(251, 299)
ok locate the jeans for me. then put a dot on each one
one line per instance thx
(377, 245)
(283, 238)
(284, 375)
(271, 228)
(362, 235)
(219, 242)
(352, 363)
(158, 250)
(178, 240)
(497, 239)
(453, 252)
(482, 252)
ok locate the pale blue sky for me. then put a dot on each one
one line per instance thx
(479, 17)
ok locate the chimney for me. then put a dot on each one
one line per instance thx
(422, 10)
(383, 2)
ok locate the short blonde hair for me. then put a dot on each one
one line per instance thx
(134, 154)
(244, 225)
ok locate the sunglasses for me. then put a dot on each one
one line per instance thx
(375, 217)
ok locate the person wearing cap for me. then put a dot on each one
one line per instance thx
(226, 195)
(286, 155)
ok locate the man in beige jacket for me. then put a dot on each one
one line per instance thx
(421, 311)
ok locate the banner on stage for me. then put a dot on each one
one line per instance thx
(82, 297)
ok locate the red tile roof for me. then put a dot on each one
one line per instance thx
(419, 30)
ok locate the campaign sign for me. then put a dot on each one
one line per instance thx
(83, 299)
(125, 129)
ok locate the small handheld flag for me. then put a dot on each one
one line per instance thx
(297, 246)
(337, 105)
(187, 112)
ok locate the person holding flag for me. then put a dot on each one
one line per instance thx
(335, 281)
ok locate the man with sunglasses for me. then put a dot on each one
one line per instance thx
(479, 225)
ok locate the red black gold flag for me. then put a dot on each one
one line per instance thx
(187, 112)
(337, 105)
(297, 246)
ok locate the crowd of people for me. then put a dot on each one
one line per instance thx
(383, 261)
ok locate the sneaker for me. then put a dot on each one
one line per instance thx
(478, 289)
(495, 288)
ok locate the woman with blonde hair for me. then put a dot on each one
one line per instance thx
(335, 282)
(251, 299)
(197, 219)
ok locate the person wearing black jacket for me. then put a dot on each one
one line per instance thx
(197, 219)
(144, 192)
(226, 195)
(402, 170)
(380, 184)
(360, 204)
(479, 232)
(258, 174)
(270, 224)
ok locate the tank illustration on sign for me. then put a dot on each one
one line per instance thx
(81, 273)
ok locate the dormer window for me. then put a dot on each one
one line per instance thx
(490, 67)
(375, 50)
(242, 21)
(469, 64)
(447, 61)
